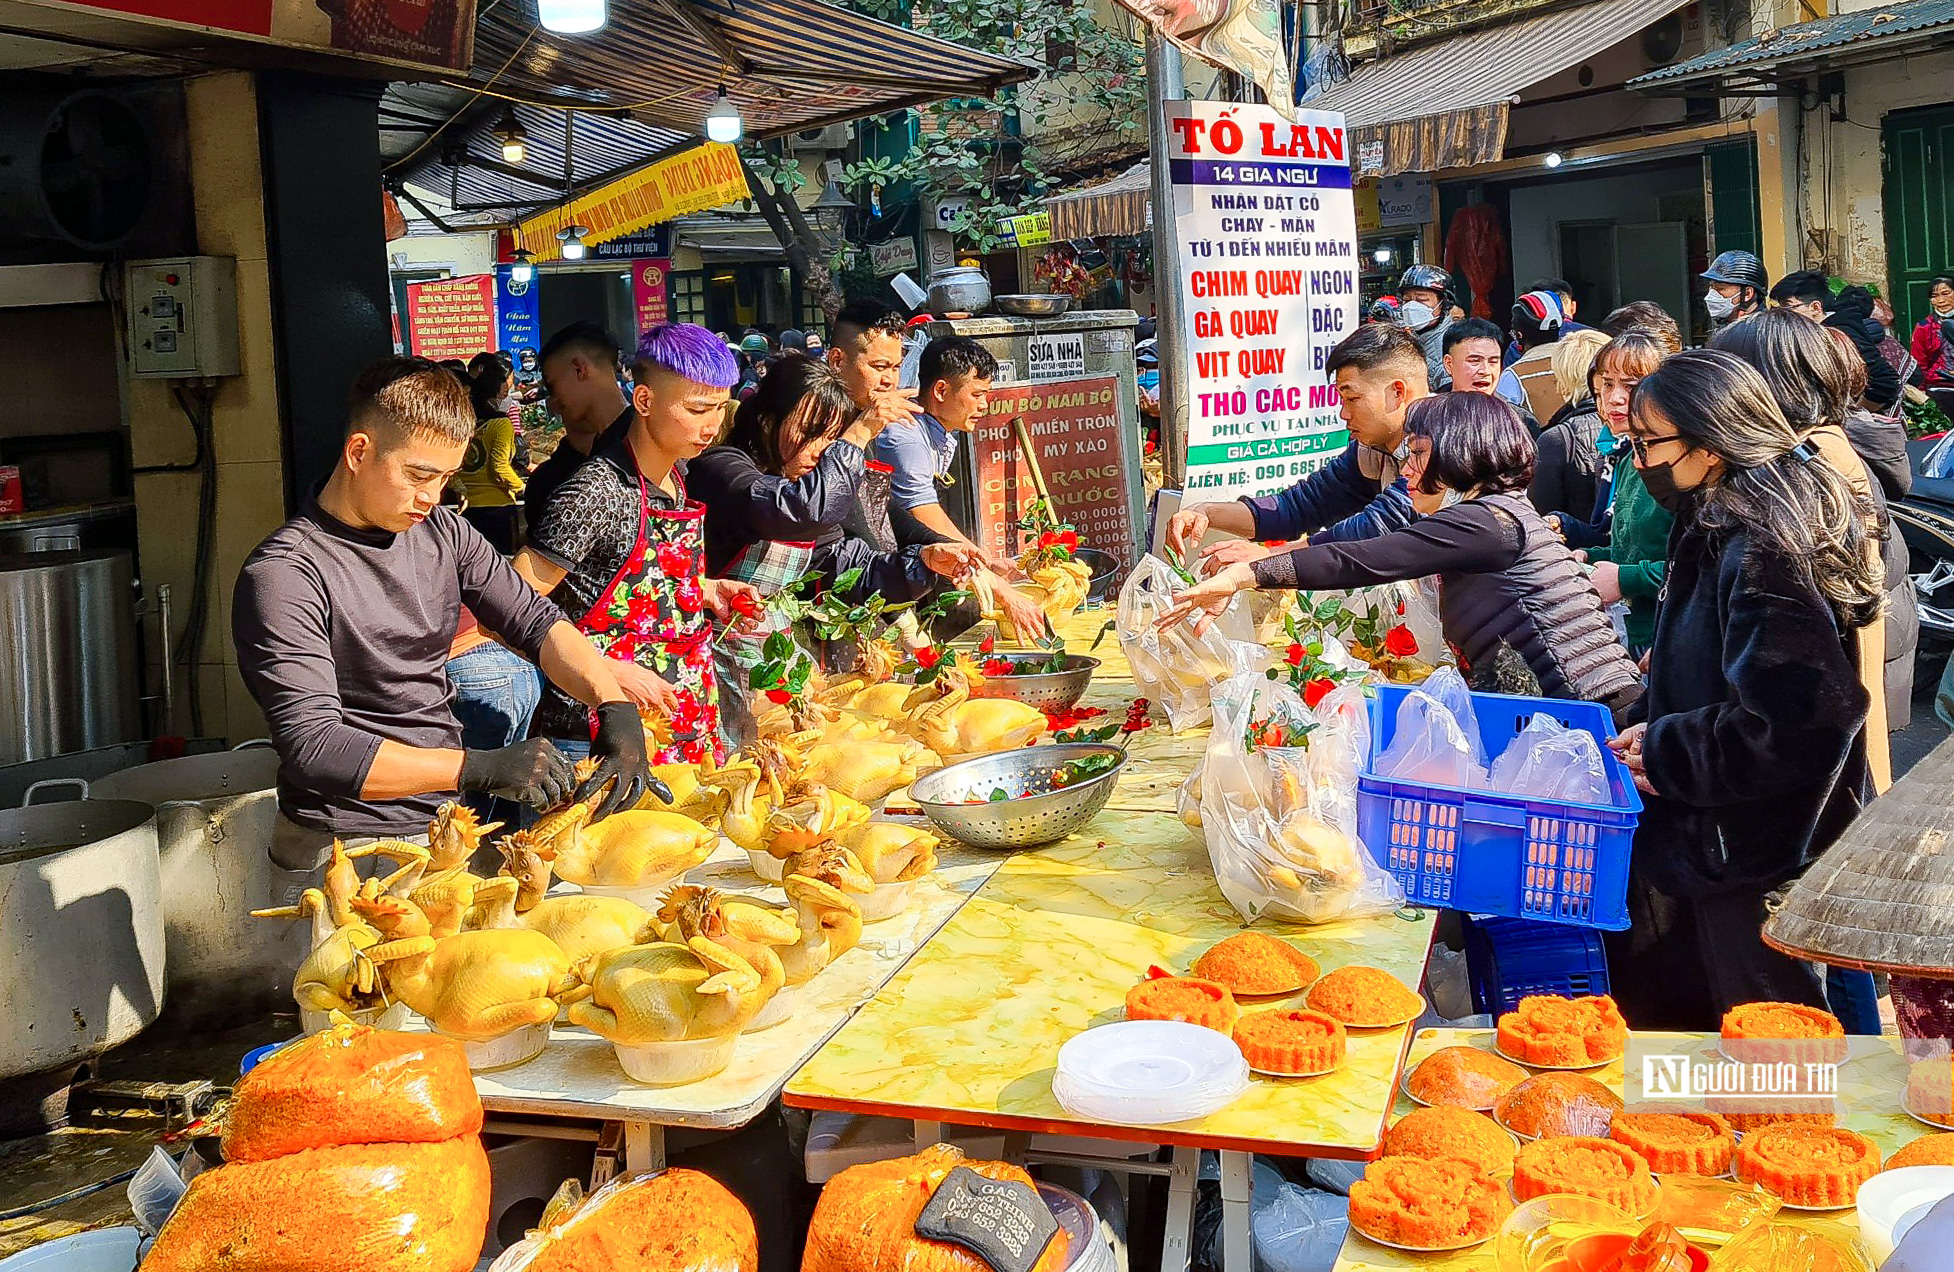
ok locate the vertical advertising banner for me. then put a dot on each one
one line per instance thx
(649, 290)
(1267, 232)
(452, 317)
(518, 312)
(1075, 426)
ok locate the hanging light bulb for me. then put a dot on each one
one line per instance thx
(571, 236)
(723, 122)
(522, 266)
(509, 131)
(571, 17)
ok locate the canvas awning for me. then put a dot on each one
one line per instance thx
(1445, 104)
(1767, 62)
(642, 84)
(1119, 206)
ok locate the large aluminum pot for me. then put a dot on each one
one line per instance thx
(81, 931)
(214, 818)
(960, 289)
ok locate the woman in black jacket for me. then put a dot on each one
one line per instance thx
(1507, 579)
(1752, 753)
(1569, 473)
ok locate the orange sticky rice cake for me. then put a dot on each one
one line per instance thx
(1449, 1132)
(1198, 1002)
(1291, 1041)
(1549, 1030)
(1677, 1143)
(1928, 1150)
(1253, 963)
(1930, 1089)
(1587, 1167)
(1808, 1165)
(1746, 1116)
(1551, 1104)
(1364, 997)
(1409, 1201)
(1463, 1077)
(1792, 1032)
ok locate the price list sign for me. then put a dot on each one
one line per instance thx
(1268, 246)
(1082, 451)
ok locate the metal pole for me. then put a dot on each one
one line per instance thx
(1164, 84)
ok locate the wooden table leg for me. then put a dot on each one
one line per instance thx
(1177, 1242)
(1237, 1183)
(644, 1148)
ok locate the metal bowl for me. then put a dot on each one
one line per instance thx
(1048, 690)
(1032, 306)
(1036, 813)
(1104, 566)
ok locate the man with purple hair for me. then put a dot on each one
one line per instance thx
(621, 550)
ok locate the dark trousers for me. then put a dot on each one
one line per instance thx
(498, 525)
(1684, 961)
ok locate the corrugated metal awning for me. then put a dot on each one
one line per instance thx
(1786, 55)
(1444, 104)
(1120, 206)
(643, 83)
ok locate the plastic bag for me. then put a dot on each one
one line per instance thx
(1176, 667)
(674, 1221)
(1281, 821)
(1299, 1229)
(1450, 688)
(1429, 746)
(1187, 796)
(1548, 760)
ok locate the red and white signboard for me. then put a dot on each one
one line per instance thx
(650, 292)
(452, 317)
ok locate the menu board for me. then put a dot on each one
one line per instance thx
(1075, 427)
(1267, 233)
(452, 317)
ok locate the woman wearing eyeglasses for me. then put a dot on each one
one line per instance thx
(1752, 751)
(1629, 567)
(1508, 581)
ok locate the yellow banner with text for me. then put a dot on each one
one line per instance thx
(709, 176)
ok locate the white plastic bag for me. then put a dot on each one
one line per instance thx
(1299, 1230)
(1429, 747)
(1174, 666)
(1281, 821)
(1450, 688)
(1548, 760)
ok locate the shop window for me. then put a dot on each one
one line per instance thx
(688, 296)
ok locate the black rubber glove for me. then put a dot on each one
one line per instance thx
(533, 771)
(619, 749)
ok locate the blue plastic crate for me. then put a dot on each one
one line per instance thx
(1508, 959)
(1489, 853)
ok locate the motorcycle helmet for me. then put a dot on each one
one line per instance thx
(1430, 278)
(1738, 269)
(1383, 309)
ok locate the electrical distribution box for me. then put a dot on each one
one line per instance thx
(182, 316)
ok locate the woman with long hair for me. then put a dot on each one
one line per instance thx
(1567, 474)
(488, 478)
(1751, 750)
(1507, 580)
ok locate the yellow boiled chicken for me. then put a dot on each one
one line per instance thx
(1318, 869)
(634, 849)
(1065, 584)
(580, 924)
(474, 985)
(824, 884)
(692, 795)
(666, 992)
(987, 586)
(890, 852)
(880, 701)
(875, 664)
(954, 725)
(866, 770)
(754, 932)
(818, 814)
(336, 975)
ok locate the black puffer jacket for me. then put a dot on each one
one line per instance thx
(1756, 739)
(1850, 311)
(1567, 463)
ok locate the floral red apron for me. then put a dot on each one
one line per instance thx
(653, 613)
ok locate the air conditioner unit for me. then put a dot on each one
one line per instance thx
(816, 140)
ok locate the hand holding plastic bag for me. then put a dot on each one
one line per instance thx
(1175, 666)
(1548, 760)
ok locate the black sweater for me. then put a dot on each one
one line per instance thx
(1756, 717)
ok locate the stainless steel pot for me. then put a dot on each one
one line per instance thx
(214, 819)
(67, 653)
(81, 931)
(959, 289)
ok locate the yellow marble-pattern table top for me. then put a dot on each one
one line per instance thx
(1870, 1086)
(969, 1031)
(577, 1075)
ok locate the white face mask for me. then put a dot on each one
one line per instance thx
(1719, 305)
(1416, 315)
